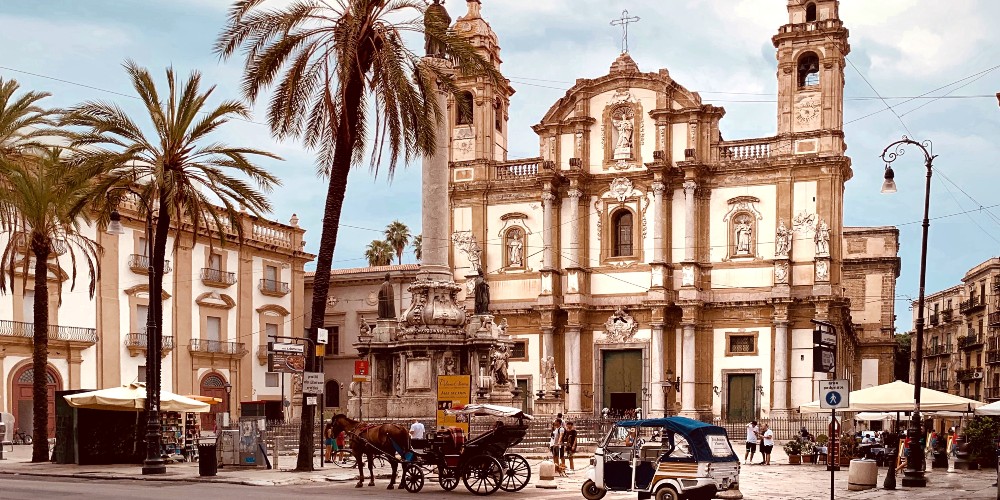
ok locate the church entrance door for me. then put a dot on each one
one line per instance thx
(622, 375)
(740, 406)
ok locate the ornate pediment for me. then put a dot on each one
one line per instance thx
(620, 327)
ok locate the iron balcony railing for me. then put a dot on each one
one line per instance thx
(994, 318)
(937, 350)
(970, 374)
(139, 263)
(273, 287)
(937, 385)
(934, 319)
(947, 314)
(993, 393)
(20, 329)
(970, 341)
(218, 347)
(971, 305)
(212, 275)
(993, 356)
(141, 340)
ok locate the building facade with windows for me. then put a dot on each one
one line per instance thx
(220, 303)
(659, 265)
(962, 335)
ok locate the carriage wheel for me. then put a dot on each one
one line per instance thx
(448, 478)
(413, 478)
(516, 474)
(482, 475)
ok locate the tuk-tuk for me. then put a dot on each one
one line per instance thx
(671, 458)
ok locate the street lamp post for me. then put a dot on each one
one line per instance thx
(914, 476)
(153, 464)
(229, 403)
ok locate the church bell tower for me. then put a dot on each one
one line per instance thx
(479, 111)
(811, 51)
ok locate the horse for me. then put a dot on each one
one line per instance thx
(370, 440)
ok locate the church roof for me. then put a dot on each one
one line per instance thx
(624, 64)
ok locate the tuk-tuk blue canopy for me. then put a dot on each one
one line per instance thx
(708, 442)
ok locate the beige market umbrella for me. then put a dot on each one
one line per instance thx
(898, 396)
(132, 397)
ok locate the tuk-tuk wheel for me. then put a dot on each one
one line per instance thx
(591, 491)
(667, 493)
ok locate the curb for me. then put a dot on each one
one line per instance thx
(194, 479)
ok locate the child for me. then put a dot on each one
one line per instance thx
(328, 442)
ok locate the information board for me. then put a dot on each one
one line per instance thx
(453, 391)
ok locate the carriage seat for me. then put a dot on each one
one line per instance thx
(452, 440)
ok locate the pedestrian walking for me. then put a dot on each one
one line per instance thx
(328, 441)
(766, 445)
(556, 443)
(752, 440)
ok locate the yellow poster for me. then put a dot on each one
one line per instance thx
(453, 391)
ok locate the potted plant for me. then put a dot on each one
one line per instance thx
(981, 433)
(793, 449)
(807, 451)
(848, 448)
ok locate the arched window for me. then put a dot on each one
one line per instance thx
(332, 394)
(514, 245)
(808, 70)
(463, 108)
(621, 222)
(498, 115)
(810, 12)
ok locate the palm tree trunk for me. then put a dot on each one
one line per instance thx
(154, 342)
(40, 351)
(341, 167)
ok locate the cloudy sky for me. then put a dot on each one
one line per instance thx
(943, 52)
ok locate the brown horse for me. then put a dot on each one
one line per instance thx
(371, 440)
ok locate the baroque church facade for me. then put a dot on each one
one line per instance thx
(657, 265)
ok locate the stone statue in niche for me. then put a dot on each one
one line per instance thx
(782, 240)
(822, 239)
(548, 373)
(386, 303)
(622, 118)
(781, 273)
(743, 233)
(515, 248)
(822, 270)
(482, 294)
(436, 19)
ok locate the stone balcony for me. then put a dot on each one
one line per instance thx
(136, 343)
(217, 349)
(262, 355)
(21, 333)
(746, 149)
(273, 288)
(217, 278)
(139, 264)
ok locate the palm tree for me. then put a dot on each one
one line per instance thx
(335, 65)
(397, 235)
(418, 246)
(379, 253)
(43, 210)
(177, 168)
(22, 122)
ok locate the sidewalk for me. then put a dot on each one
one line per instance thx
(19, 463)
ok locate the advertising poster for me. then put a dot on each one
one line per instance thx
(453, 391)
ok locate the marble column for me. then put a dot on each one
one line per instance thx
(574, 398)
(688, 372)
(690, 235)
(548, 342)
(435, 209)
(659, 226)
(779, 397)
(575, 250)
(548, 220)
(657, 402)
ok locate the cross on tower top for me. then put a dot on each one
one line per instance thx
(624, 21)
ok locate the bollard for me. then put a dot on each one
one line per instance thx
(546, 475)
(890, 475)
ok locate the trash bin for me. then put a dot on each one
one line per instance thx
(208, 463)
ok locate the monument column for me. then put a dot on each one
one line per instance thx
(657, 401)
(435, 215)
(779, 401)
(572, 351)
(687, 370)
(690, 235)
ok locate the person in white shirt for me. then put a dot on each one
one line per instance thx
(417, 431)
(752, 439)
(766, 445)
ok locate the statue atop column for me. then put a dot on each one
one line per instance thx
(436, 22)
(482, 292)
(386, 303)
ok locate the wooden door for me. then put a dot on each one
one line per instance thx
(214, 386)
(622, 371)
(740, 402)
(24, 400)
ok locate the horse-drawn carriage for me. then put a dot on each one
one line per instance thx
(482, 463)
